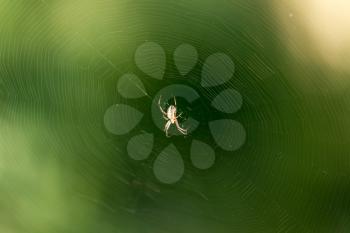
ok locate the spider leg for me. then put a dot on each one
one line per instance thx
(166, 127)
(160, 107)
(182, 130)
(178, 115)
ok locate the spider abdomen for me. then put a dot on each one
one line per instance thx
(171, 113)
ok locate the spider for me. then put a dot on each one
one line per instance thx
(171, 118)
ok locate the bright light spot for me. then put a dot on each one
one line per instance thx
(329, 24)
(321, 32)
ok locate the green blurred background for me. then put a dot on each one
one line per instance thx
(61, 171)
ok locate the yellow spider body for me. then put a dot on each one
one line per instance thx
(171, 118)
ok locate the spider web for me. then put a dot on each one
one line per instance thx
(61, 171)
